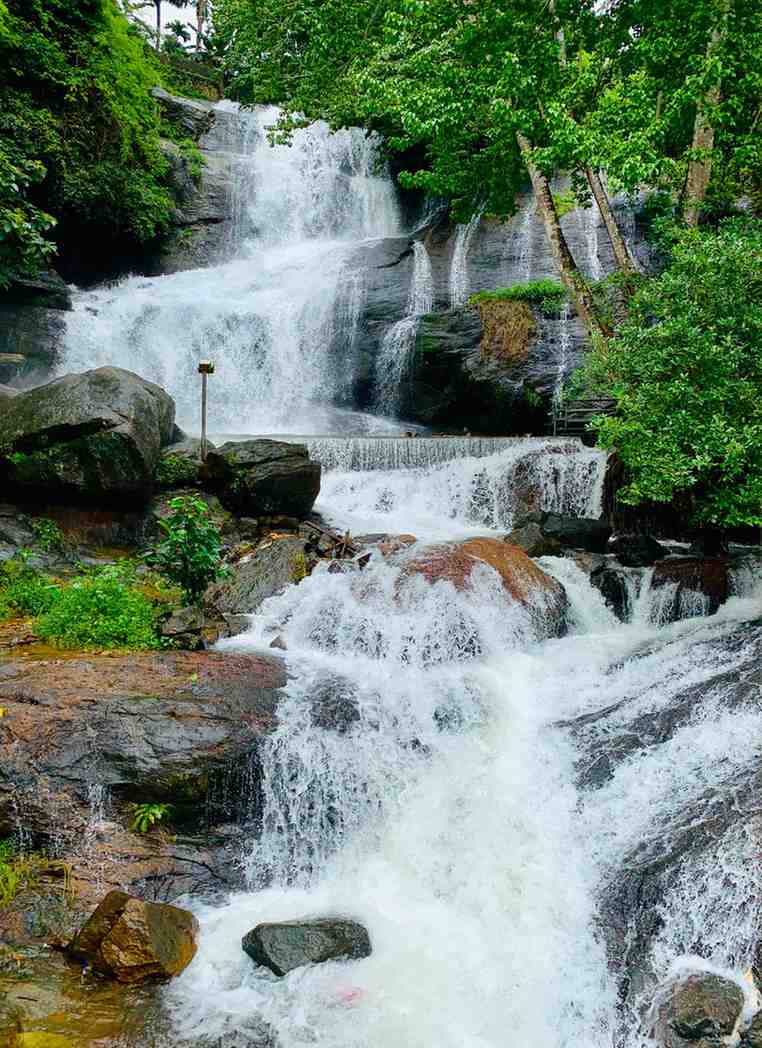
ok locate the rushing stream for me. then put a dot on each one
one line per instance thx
(537, 833)
(451, 807)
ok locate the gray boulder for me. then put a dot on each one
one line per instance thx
(535, 543)
(262, 477)
(267, 570)
(702, 1006)
(555, 531)
(95, 436)
(191, 115)
(286, 945)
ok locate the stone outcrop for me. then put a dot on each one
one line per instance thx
(636, 551)
(521, 579)
(286, 945)
(95, 436)
(708, 576)
(552, 532)
(269, 568)
(32, 327)
(134, 941)
(258, 477)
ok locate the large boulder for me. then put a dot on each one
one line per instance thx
(193, 116)
(522, 580)
(286, 945)
(701, 1006)
(708, 578)
(95, 436)
(263, 477)
(134, 941)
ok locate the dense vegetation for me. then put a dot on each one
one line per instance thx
(79, 131)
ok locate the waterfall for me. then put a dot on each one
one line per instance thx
(459, 283)
(588, 221)
(399, 341)
(280, 318)
(564, 352)
(525, 242)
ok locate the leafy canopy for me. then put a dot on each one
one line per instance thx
(686, 372)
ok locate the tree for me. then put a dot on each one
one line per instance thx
(686, 372)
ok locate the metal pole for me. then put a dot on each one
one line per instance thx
(204, 381)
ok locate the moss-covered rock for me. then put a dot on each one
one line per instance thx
(96, 436)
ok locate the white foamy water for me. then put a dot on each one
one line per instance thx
(280, 318)
(447, 818)
(441, 496)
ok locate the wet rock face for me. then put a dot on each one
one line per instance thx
(636, 551)
(258, 477)
(134, 941)
(565, 532)
(701, 1006)
(708, 576)
(287, 945)
(522, 580)
(96, 436)
(32, 328)
(268, 569)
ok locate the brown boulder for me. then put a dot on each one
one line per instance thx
(134, 941)
(709, 576)
(522, 579)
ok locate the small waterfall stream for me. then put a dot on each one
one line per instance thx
(400, 339)
(459, 282)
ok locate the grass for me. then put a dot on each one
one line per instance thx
(20, 871)
(538, 292)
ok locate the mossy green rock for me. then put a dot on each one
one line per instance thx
(96, 436)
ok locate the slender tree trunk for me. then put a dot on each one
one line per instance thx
(158, 24)
(201, 8)
(571, 277)
(621, 252)
(700, 167)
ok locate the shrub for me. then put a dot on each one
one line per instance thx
(176, 471)
(50, 538)
(24, 590)
(99, 611)
(19, 871)
(190, 554)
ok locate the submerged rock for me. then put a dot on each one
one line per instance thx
(286, 945)
(256, 477)
(702, 1006)
(134, 941)
(95, 436)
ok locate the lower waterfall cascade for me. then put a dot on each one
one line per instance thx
(461, 816)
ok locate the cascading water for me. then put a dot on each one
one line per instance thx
(457, 805)
(459, 283)
(280, 318)
(400, 339)
(588, 220)
(564, 352)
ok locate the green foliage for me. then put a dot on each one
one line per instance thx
(146, 816)
(77, 119)
(190, 553)
(538, 292)
(176, 471)
(686, 372)
(24, 590)
(19, 871)
(101, 610)
(50, 538)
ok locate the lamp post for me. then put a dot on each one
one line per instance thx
(205, 369)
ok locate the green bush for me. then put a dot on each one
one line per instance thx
(146, 816)
(50, 538)
(176, 471)
(539, 292)
(101, 610)
(190, 553)
(76, 118)
(24, 590)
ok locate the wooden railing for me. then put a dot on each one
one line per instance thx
(571, 418)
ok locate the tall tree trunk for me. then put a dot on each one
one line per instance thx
(700, 167)
(621, 252)
(571, 277)
(201, 10)
(158, 24)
